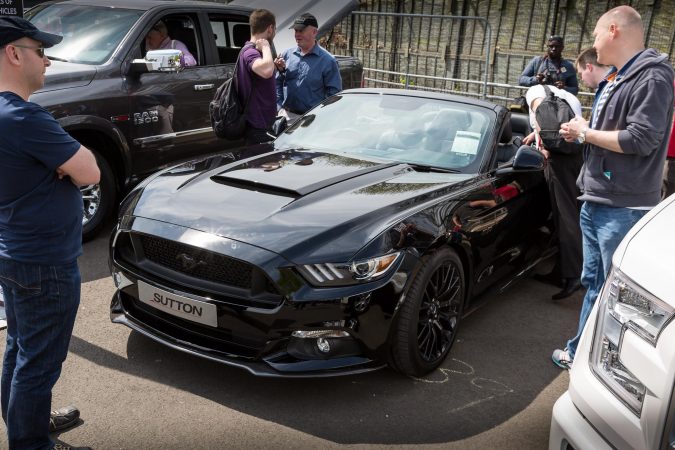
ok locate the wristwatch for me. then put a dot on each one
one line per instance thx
(582, 135)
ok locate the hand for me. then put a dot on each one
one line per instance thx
(280, 63)
(540, 78)
(559, 84)
(527, 140)
(260, 44)
(571, 130)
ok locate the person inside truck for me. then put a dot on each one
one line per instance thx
(158, 38)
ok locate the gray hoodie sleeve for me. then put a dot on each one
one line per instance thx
(646, 121)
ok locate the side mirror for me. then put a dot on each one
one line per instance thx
(279, 125)
(158, 61)
(527, 159)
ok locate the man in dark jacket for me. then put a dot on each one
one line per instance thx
(551, 69)
(625, 150)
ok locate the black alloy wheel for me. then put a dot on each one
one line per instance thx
(427, 324)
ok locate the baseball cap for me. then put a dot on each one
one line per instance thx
(13, 28)
(303, 21)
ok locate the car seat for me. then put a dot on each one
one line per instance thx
(186, 35)
(240, 34)
(441, 128)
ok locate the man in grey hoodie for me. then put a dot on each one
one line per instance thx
(626, 142)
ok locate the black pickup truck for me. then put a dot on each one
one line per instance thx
(136, 121)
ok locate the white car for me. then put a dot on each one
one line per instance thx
(621, 391)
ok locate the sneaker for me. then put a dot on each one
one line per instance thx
(63, 418)
(60, 446)
(562, 359)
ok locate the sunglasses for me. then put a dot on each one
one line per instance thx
(39, 50)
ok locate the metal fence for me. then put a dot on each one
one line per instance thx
(423, 44)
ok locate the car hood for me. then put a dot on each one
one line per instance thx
(299, 204)
(64, 75)
(645, 255)
(327, 12)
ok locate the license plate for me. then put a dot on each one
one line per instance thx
(177, 305)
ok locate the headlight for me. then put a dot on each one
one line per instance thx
(625, 305)
(343, 274)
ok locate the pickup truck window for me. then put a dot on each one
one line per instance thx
(90, 34)
(182, 28)
(230, 34)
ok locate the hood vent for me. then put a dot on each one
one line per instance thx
(252, 185)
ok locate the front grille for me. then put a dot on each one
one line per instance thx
(196, 262)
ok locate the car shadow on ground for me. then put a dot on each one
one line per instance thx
(499, 364)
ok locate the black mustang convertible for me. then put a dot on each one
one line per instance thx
(355, 240)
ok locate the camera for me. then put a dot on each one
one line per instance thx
(549, 78)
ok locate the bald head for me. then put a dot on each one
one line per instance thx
(619, 35)
(625, 18)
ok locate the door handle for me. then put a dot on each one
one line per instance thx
(203, 87)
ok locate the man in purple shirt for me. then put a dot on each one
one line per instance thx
(255, 77)
(158, 39)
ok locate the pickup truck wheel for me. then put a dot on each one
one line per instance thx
(98, 199)
(427, 324)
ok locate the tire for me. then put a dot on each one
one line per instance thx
(98, 199)
(427, 323)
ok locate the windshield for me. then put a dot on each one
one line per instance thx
(421, 131)
(90, 34)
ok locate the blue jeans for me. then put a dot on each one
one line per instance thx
(41, 303)
(602, 228)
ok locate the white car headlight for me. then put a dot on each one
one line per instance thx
(344, 274)
(624, 305)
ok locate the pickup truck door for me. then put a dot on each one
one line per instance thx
(169, 112)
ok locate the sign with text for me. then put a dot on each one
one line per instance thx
(11, 8)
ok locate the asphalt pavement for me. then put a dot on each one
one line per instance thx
(495, 390)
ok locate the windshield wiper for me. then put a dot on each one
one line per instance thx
(56, 58)
(425, 168)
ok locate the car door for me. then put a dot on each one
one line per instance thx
(507, 216)
(169, 110)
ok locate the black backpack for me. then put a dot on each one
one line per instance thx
(552, 112)
(228, 116)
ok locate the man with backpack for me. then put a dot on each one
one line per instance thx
(625, 149)
(549, 108)
(255, 78)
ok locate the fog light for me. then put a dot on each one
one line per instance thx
(315, 334)
(323, 345)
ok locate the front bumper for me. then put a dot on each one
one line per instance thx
(277, 365)
(252, 326)
(571, 431)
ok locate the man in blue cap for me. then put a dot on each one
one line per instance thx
(40, 238)
(306, 74)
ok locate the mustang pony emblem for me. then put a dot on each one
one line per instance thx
(188, 262)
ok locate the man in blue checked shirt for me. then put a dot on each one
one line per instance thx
(306, 74)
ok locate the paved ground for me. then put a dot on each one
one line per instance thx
(496, 389)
